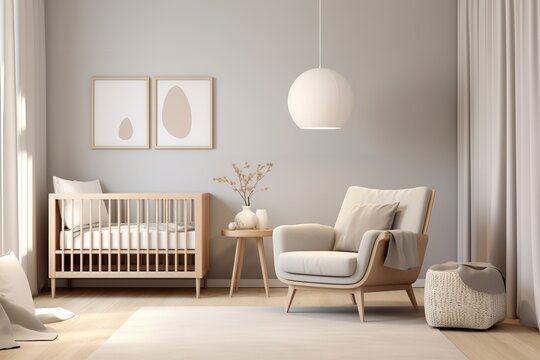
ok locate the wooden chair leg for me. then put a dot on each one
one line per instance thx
(290, 296)
(410, 292)
(359, 297)
(353, 299)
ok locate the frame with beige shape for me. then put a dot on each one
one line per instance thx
(183, 112)
(120, 112)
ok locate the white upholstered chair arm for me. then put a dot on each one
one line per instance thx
(303, 237)
(366, 249)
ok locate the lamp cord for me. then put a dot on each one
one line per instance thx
(320, 32)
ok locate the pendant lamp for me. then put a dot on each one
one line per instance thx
(320, 98)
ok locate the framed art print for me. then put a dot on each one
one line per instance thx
(183, 112)
(120, 113)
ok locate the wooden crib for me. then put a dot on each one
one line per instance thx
(129, 235)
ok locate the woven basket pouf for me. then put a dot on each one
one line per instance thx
(450, 303)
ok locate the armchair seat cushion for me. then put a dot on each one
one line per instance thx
(319, 263)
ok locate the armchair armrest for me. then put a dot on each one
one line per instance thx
(372, 254)
(366, 248)
(303, 237)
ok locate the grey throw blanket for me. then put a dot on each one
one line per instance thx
(479, 276)
(402, 250)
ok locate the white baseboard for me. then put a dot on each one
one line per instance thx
(144, 283)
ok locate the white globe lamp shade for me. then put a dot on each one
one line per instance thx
(320, 99)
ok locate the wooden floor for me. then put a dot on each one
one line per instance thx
(101, 311)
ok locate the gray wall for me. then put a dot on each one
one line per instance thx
(399, 57)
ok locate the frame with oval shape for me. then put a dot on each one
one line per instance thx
(120, 112)
(182, 112)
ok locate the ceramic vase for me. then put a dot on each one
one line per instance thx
(262, 218)
(246, 219)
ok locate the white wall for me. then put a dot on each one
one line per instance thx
(398, 55)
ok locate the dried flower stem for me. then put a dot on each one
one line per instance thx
(247, 183)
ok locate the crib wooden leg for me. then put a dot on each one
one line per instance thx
(53, 287)
(197, 287)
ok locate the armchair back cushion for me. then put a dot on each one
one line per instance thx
(410, 214)
(362, 218)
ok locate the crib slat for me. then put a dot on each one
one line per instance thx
(167, 238)
(147, 214)
(100, 237)
(72, 247)
(138, 236)
(128, 215)
(91, 235)
(109, 264)
(71, 265)
(118, 221)
(63, 230)
(157, 234)
(176, 235)
(81, 233)
(186, 236)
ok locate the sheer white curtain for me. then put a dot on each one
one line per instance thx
(23, 211)
(499, 144)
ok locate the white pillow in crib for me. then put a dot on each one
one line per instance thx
(63, 186)
(14, 283)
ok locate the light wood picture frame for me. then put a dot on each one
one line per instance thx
(183, 112)
(120, 112)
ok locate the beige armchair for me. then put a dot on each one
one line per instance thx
(304, 257)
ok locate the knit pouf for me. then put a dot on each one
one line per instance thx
(450, 303)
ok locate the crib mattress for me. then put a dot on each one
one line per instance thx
(125, 237)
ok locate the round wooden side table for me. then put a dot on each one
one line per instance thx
(241, 236)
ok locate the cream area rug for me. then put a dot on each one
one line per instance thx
(268, 333)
